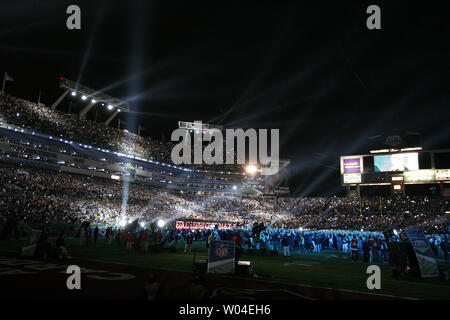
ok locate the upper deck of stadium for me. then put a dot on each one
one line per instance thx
(40, 136)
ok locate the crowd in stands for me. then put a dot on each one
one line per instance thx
(46, 120)
(43, 119)
(40, 195)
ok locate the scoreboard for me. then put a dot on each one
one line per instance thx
(397, 169)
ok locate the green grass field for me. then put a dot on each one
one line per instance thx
(328, 269)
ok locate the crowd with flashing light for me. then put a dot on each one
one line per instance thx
(46, 196)
(53, 122)
(58, 124)
(30, 195)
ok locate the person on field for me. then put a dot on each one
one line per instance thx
(345, 244)
(60, 244)
(111, 235)
(107, 234)
(211, 237)
(237, 239)
(354, 249)
(366, 250)
(130, 239)
(82, 236)
(123, 237)
(374, 252)
(153, 287)
(188, 245)
(285, 244)
(96, 230)
(144, 240)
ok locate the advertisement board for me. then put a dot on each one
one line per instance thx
(201, 225)
(221, 257)
(396, 162)
(352, 177)
(352, 165)
(419, 176)
(443, 174)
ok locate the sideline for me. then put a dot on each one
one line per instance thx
(263, 281)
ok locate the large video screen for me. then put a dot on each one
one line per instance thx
(396, 162)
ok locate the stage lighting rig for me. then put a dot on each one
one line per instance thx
(93, 96)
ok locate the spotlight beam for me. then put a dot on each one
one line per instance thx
(82, 114)
(108, 121)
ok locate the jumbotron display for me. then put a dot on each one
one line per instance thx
(396, 162)
(397, 169)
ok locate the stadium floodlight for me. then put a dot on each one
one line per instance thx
(395, 232)
(379, 151)
(161, 223)
(130, 221)
(142, 224)
(251, 169)
(81, 90)
(118, 110)
(93, 101)
(83, 97)
(411, 149)
(73, 93)
(123, 222)
(110, 107)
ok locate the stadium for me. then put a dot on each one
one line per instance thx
(88, 180)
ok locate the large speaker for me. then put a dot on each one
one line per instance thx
(402, 259)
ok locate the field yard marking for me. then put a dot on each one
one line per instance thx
(384, 280)
(362, 276)
(286, 264)
(263, 290)
(135, 265)
(281, 282)
(260, 280)
(335, 289)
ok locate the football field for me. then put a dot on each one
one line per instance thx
(325, 275)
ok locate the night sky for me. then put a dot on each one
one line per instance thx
(310, 68)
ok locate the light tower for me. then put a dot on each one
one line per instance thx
(93, 97)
